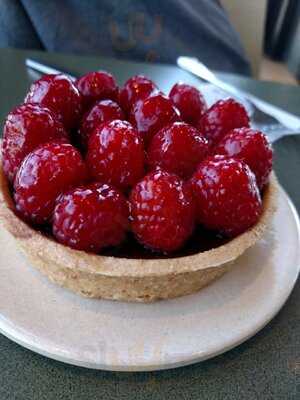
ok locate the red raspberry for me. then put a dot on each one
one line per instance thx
(152, 114)
(45, 173)
(91, 217)
(177, 148)
(252, 147)
(58, 93)
(226, 195)
(26, 127)
(102, 111)
(136, 88)
(189, 101)
(162, 211)
(116, 154)
(98, 85)
(221, 117)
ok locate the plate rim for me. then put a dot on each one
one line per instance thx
(15, 334)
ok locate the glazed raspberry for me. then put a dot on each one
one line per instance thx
(226, 195)
(136, 88)
(177, 148)
(189, 101)
(252, 147)
(26, 127)
(152, 114)
(102, 111)
(162, 211)
(98, 85)
(116, 154)
(221, 117)
(45, 173)
(91, 217)
(58, 93)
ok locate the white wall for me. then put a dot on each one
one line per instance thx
(248, 18)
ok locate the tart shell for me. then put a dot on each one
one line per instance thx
(136, 280)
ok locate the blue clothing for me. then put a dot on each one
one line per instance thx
(155, 30)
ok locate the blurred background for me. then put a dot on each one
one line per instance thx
(270, 32)
(258, 37)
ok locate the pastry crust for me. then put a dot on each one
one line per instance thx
(138, 280)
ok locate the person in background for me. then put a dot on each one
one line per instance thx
(156, 30)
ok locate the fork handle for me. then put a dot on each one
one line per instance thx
(199, 69)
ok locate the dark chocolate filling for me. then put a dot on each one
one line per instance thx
(201, 240)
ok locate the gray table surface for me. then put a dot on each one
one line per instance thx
(265, 367)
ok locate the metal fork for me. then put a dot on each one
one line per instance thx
(272, 120)
(45, 69)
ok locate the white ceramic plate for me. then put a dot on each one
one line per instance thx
(120, 336)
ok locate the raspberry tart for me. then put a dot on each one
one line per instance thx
(151, 208)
